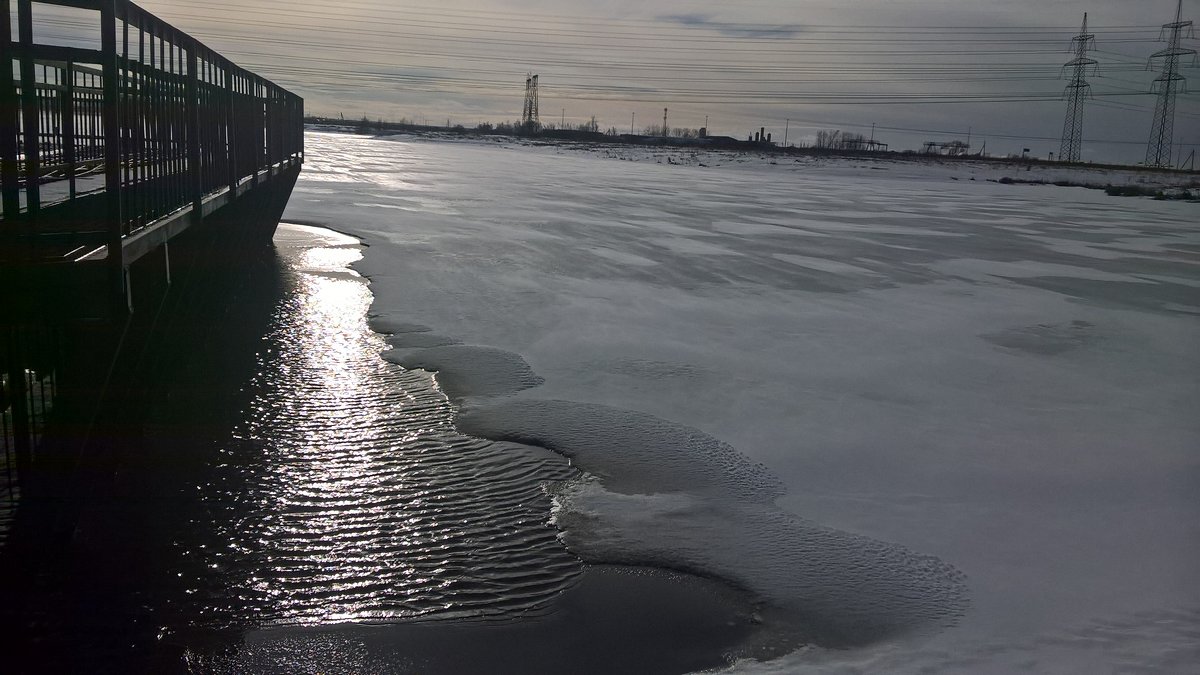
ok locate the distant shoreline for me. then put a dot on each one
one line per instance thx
(1115, 180)
(710, 143)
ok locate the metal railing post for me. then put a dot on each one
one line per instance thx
(230, 124)
(29, 110)
(112, 152)
(195, 175)
(10, 184)
(68, 128)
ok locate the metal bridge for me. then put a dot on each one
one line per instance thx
(115, 139)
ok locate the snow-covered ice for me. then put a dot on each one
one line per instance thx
(1000, 381)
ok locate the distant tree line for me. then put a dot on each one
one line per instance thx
(669, 131)
(828, 139)
(835, 139)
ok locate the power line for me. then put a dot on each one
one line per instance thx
(652, 43)
(756, 63)
(348, 10)
(932, 71)
(334, 52)
(838, 67)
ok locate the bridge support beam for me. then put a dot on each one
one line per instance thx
(18, 396)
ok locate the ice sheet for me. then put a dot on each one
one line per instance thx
(1012, 387)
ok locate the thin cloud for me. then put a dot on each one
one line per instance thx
(743, 30)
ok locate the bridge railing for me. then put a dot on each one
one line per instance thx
(126, 121)
(117, 132)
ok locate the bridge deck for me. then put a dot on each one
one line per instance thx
(118, 132)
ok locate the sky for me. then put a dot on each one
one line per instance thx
(988, 72)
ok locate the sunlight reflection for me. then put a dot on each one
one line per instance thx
(350, 495)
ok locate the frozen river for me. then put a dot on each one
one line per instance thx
(870, 398)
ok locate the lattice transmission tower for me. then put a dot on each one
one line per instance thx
(1076, 93)
(529, 112)
(1167, 84)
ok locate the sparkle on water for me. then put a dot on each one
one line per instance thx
(346, 495)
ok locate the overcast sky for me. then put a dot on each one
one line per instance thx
(918, 69)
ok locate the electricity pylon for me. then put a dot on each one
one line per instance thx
(1167, 84)
(529, 112)
(1076, 93)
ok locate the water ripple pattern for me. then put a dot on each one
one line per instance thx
(347, 495)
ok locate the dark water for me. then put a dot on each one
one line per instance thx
(296, 503)
(344, 493)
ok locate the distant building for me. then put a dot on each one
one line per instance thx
(760, 137)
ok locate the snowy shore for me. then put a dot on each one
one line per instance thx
(1001, 377)
(904, 165)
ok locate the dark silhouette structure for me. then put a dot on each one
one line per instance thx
(953, 148)
(860, 144)
(126, 170)
(529, 111)
(1167, 85)
(1076, 93)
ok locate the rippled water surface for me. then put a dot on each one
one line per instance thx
(345, 494)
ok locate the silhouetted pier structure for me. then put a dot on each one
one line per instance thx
(130, 154)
